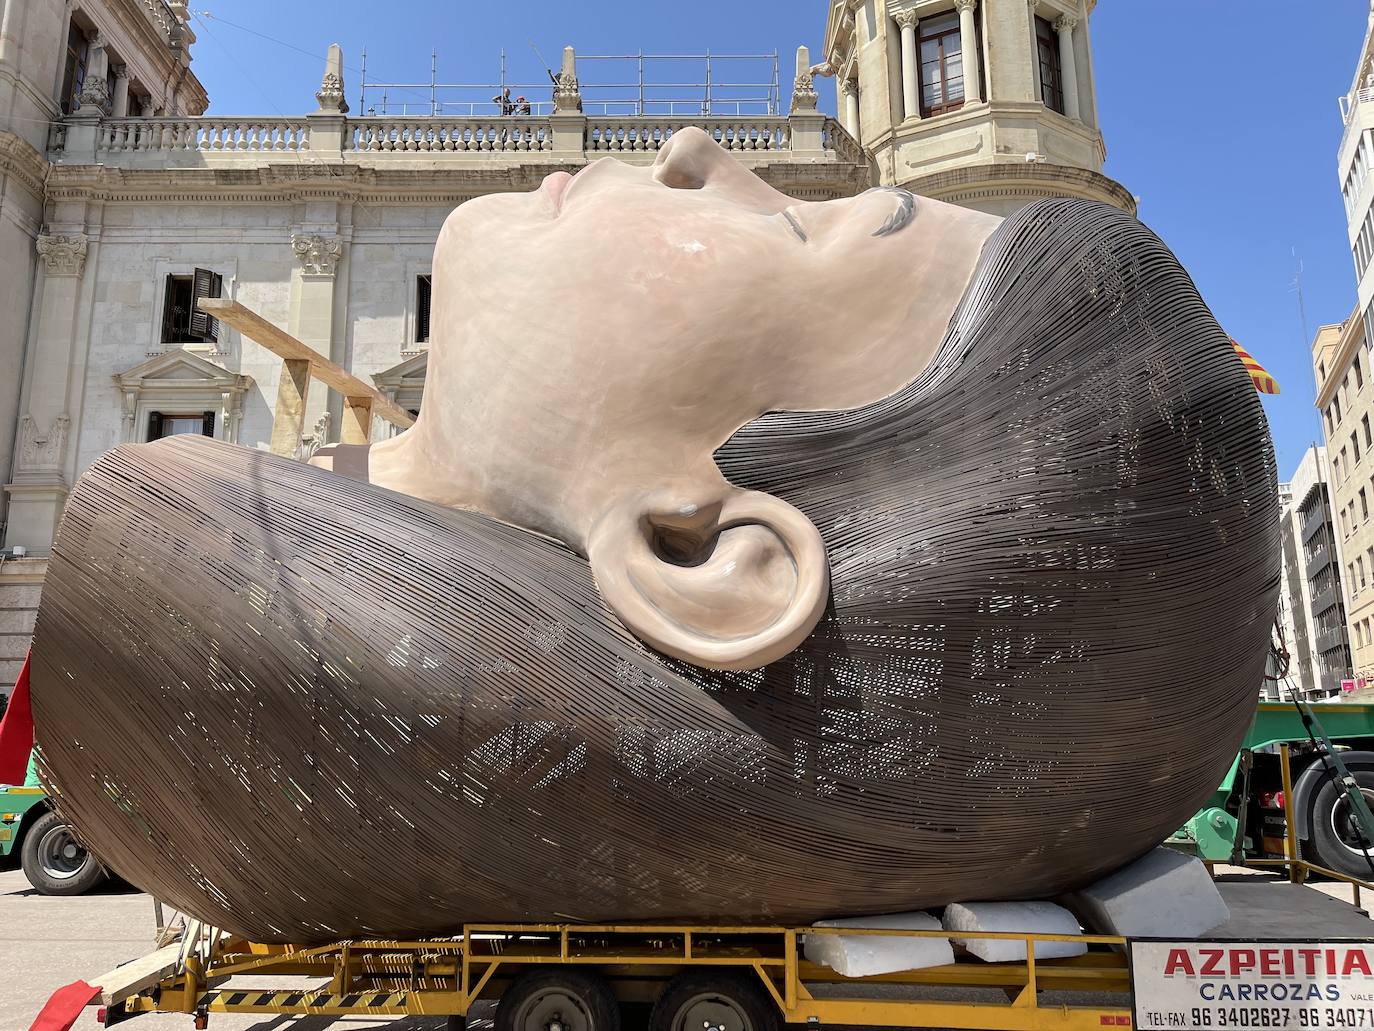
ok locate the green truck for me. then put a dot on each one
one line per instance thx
(1327, 829)
(54, 860)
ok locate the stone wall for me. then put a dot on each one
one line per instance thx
(21, 582)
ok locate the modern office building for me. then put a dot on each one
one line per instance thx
(1321, 635)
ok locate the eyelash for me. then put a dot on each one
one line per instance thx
(902, 217)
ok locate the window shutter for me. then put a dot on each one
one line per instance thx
(169, 322)
(203, 284)
(208, 426)
(154, 425)
(423, 290)
(216, 290)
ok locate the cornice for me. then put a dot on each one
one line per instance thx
(20, 161)
(294, 183)
(1012, 179)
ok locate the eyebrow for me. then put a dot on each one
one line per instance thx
(903, 216)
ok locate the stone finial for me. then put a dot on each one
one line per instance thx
(803, 87)
(567, 94)
(331, 92)
(62, 255)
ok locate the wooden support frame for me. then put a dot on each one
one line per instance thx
(302, 363)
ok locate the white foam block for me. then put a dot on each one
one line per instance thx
(1164, 894)
(866, 955)
(1025, 917)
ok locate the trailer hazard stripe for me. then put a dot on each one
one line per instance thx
(361, 1002)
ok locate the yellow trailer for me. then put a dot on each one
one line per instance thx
(574, 977)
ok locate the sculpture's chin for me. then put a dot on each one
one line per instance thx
(303, 707)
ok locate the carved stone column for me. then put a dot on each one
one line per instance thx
(39, 484)
(119, 95)
(311, 317)
(911, 64)
(94, 98)
(850, 89)
(1067, 66)
(968, 40)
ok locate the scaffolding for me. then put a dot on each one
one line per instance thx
(638, 84)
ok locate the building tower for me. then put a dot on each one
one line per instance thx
(985, 103)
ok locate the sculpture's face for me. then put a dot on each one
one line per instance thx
(594, 342)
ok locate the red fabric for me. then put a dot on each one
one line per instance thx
(16, 732)
(66, 1003)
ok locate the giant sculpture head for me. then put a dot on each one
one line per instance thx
(596, 341)
(750, 560)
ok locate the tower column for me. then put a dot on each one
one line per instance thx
(850, 89)
(1065, 26)
(968, 41)
(911, 67)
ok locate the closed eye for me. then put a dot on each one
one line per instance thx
(796, 226)
(903, 216)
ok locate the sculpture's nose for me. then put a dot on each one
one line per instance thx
(693, 160)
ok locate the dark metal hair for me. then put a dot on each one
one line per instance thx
(305, 708)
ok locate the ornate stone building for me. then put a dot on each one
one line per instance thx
(121, 204)
(987, 103)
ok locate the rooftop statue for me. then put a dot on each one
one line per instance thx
(750, 560)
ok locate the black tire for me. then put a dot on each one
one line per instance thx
(55, 861)
(1335, 833)
(579, 999)
(733, 1001)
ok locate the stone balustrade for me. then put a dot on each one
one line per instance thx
(568, 138)
(205, 135)
(430, 135)
(617, 135)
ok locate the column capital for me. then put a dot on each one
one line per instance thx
(1066, 23)
(849, 87)
(63, 255)
(906, 18)
(965, 5)
(318, 255)
(42, 448)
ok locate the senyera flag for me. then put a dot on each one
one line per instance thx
(16, 732)
(1264, 382)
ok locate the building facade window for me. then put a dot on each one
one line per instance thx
(1051, 74)
(423, 287)
(182, 321)
(74, 68)
(942, 64)
(171, 424)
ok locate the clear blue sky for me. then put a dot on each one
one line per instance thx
(1220, 115)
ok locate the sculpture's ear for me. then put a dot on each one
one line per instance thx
(735, 584)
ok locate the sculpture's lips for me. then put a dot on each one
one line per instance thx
(554, 186)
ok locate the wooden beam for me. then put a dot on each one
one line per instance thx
(357, 421)
(279, 342)
(288, 418)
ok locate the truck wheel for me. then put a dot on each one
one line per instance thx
(55, 862)
(557, 999)
(1336, 835)
(708, 1001)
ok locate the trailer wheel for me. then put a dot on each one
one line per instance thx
(1336, 833)
(557, 999)
(709, 1001)
(55, 862)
